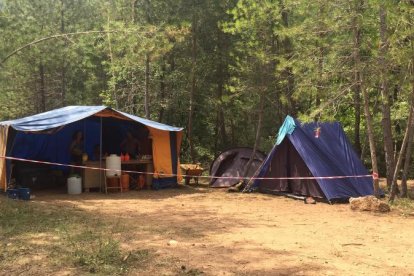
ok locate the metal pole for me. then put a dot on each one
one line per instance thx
(100, 156)
(8, 167)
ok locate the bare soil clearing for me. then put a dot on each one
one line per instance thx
(221, 233)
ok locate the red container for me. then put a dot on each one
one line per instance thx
(125, 182)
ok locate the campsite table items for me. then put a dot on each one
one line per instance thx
(113, 164)
(126, 157)
(132, 164)
(141, 182)
(84, 157)
(74, 185)
(92, 178)
(125, 182)
(113, 183)
(191, 171)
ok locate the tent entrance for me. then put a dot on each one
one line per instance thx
(54, 147)
(286, 162)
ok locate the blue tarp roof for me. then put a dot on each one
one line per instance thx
(69, 114)
(329, 155)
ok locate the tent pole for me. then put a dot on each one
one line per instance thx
(84, 135)
(9, 171)
(100, 155)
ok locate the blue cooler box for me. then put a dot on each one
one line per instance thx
(13, 193)
(24, 193)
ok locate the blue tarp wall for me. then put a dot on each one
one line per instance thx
(55, 147)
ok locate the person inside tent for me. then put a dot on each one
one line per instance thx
(96, 152)
(130, 145)
(76, 150)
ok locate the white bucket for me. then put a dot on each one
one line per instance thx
(74, 185)
(113, 164)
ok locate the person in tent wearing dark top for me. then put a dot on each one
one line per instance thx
(76, 150)
(130, 145)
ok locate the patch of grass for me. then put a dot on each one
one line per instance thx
(98, 255)
(18, 217)
(68, 238)
(404, 205)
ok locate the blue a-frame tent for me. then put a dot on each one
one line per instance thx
(298, 152)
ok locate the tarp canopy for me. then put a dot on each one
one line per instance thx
(69, 114)
(47, 136)
(299, 153)
(232, 163)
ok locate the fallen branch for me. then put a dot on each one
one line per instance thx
(348, 244)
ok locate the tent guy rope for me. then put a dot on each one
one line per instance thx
(201, 176)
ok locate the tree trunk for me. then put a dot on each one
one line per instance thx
(371, 139)
(42, 86)
(404, 188)
(258, 132)
(386, 114)
(134, 11)
(288, 71)
(320, 82)
(162, 91)
(193, 88)
(357, 88)
(63, 66)
(220, 129)
(147, 79)
(111, 58)
(408, 133)
(407, 161)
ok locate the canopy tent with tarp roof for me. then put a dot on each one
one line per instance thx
(47, 136)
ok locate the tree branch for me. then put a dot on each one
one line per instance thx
(59, 36)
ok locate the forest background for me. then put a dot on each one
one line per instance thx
(229, 71)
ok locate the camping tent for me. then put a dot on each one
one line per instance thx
(46, 137)
(314, 150)
(232, 163)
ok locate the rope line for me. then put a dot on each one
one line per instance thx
(199, 176)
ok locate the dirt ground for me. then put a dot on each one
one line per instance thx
(221, 233)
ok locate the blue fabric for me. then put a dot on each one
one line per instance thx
(329, 155)
(173, 146)
(55, 148)
(54, 118)
(66, 115)
(287, 128)
(164, 182)
(151, 123)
